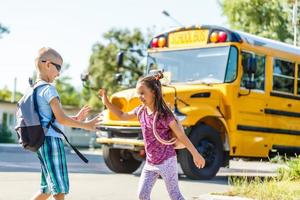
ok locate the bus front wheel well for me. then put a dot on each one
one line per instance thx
(219, 126)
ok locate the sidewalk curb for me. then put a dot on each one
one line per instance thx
(9, 145)
(219, 197)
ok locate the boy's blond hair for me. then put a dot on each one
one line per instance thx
(47, 54)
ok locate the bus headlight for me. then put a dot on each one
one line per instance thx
(102, 134)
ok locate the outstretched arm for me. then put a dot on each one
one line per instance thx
(114, 109)
(177, 129)
(65, 120)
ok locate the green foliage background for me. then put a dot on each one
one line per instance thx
(266, 18)
(103, 67)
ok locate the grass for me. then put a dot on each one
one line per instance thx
(285, 186)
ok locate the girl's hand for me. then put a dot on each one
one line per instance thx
(199, 160)
(82, 114)
(102, 94)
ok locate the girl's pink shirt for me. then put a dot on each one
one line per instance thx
(156, 152)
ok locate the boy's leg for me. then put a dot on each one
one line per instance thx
(146, 183)
(54, 164)
(169, 173)
(40, 196)
(59, 196)
(43, 194)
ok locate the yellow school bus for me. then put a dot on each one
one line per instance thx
(236, 94)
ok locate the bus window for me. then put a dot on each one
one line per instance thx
(196, 66)
(259, 76)
(283, 76)
(231, 65)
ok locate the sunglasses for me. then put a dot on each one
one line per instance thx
(57, 66)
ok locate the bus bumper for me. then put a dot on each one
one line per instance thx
(121, 137)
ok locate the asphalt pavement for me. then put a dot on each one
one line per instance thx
(20, 177)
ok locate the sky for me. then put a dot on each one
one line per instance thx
(73, 27)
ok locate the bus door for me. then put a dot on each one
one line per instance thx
(249, 112)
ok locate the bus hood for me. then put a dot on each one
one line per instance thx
(191, 99)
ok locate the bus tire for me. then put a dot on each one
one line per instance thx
(209, 144)
(120, 160)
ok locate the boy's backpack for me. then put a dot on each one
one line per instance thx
(30, 132)
(29, 129)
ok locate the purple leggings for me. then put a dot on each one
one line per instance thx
(168, 171)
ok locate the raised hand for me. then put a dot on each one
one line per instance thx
(103, 95)
(83, 113)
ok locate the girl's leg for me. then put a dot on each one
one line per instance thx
(146, 183)
(169, 173)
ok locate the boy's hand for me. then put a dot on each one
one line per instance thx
(102, 94)
(94, 123)
(83, 113)
(199, 160)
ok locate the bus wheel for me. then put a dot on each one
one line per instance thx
(209, 144)
(120, 160)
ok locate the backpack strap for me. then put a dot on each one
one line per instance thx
(36, 107)
(51, 123)
(156, 135)
(139, 111)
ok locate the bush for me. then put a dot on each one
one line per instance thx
(285, 186)
(291, 171)
(5, 135)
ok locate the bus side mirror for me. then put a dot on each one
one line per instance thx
(120, 58)
(250, 85)
(119, 77)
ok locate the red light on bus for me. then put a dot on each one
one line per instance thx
(154, 43)
(222, 36)
(218, 37)
(162, 42)
(214, 37)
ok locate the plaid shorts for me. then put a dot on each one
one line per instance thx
(52, 157)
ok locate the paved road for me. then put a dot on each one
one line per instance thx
(19, 178)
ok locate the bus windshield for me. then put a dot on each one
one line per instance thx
(205, 65)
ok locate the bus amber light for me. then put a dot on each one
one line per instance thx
(162, 42)
(214, 37)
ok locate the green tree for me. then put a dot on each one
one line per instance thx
(6, 94)
(5, 133)
(3, 30)
(103, 67)
(68, 94)
(271, 19)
